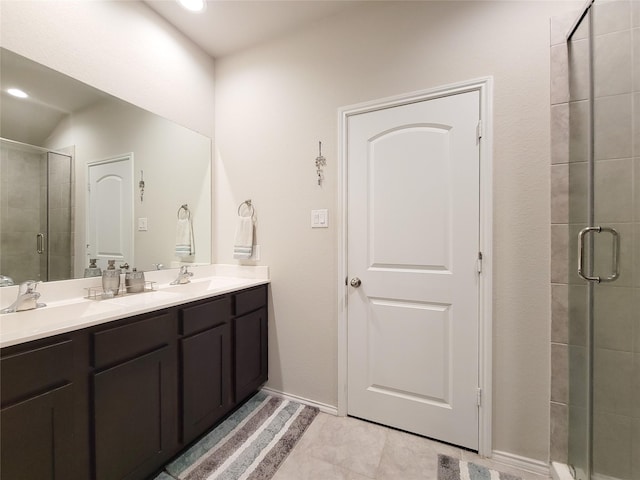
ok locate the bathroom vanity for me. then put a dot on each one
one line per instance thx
(119, 398)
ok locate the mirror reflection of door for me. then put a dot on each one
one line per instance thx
(110, 210)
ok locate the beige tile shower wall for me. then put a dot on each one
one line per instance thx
(562, 138)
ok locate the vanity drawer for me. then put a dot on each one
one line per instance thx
(205, 315)
(34, 371)
(250, 300)
(116, 345)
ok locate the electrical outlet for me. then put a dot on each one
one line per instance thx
(142, 224)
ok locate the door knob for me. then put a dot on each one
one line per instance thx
(355, 282)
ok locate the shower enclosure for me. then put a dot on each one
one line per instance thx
(603, 238)
(36, 240)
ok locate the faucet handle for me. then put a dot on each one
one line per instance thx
(28, 286)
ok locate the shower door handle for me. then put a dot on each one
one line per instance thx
(615, 266)
(40, 243)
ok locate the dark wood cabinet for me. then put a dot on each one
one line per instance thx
(119, 400)
(37, 437)
(134, 397)
(205, 366)
(36, 420)
(250, 342)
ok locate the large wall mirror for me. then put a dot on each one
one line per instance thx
(62, 139)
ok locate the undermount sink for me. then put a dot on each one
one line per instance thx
(53, 317)
(81, 309)
(54, 311)
(204, 285)
(143, 299)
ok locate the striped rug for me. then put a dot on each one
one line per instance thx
(450, 468)
(249, 445)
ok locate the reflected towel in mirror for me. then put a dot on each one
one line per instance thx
(184, 238)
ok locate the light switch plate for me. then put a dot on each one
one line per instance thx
(320, 218)
(142, 224)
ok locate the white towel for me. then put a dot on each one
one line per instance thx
(243, 245)
(184, 238)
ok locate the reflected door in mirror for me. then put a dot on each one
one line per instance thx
(110, 208)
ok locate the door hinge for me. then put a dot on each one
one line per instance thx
(479, 129)
(88, 187)
(479, 397)
(479, 263)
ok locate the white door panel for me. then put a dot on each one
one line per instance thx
(110, 222)
(413, 240)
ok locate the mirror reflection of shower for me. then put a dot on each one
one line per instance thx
(36, 237)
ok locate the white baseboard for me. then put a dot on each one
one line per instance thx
(323, 407)
(523, 463)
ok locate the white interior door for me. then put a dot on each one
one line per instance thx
(110, 209)
(413, 241)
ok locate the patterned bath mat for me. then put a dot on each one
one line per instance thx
(250, 444)
(450, 468)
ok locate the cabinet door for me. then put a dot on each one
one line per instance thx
(37, 436)
(206, 375)
(134, 416)
(250, 351)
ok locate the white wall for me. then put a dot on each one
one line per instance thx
(275, 102)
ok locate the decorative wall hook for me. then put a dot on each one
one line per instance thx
(320, 163)
(141, 185)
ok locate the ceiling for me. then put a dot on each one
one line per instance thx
(52, 96)
(228, 26)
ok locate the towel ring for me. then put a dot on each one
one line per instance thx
(187, 212)
(249, 206)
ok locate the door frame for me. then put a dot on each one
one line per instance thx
(116, 158)
(484, 86)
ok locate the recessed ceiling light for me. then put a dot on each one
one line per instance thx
(16, 92)
(193, 5)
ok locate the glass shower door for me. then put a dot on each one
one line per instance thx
(604, 204)
(36, 213)
(615, 211)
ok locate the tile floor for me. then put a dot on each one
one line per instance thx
(343, 448)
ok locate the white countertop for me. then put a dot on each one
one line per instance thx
(68, 308)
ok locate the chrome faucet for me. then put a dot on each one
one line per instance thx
(183, 276)
(27, 298)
